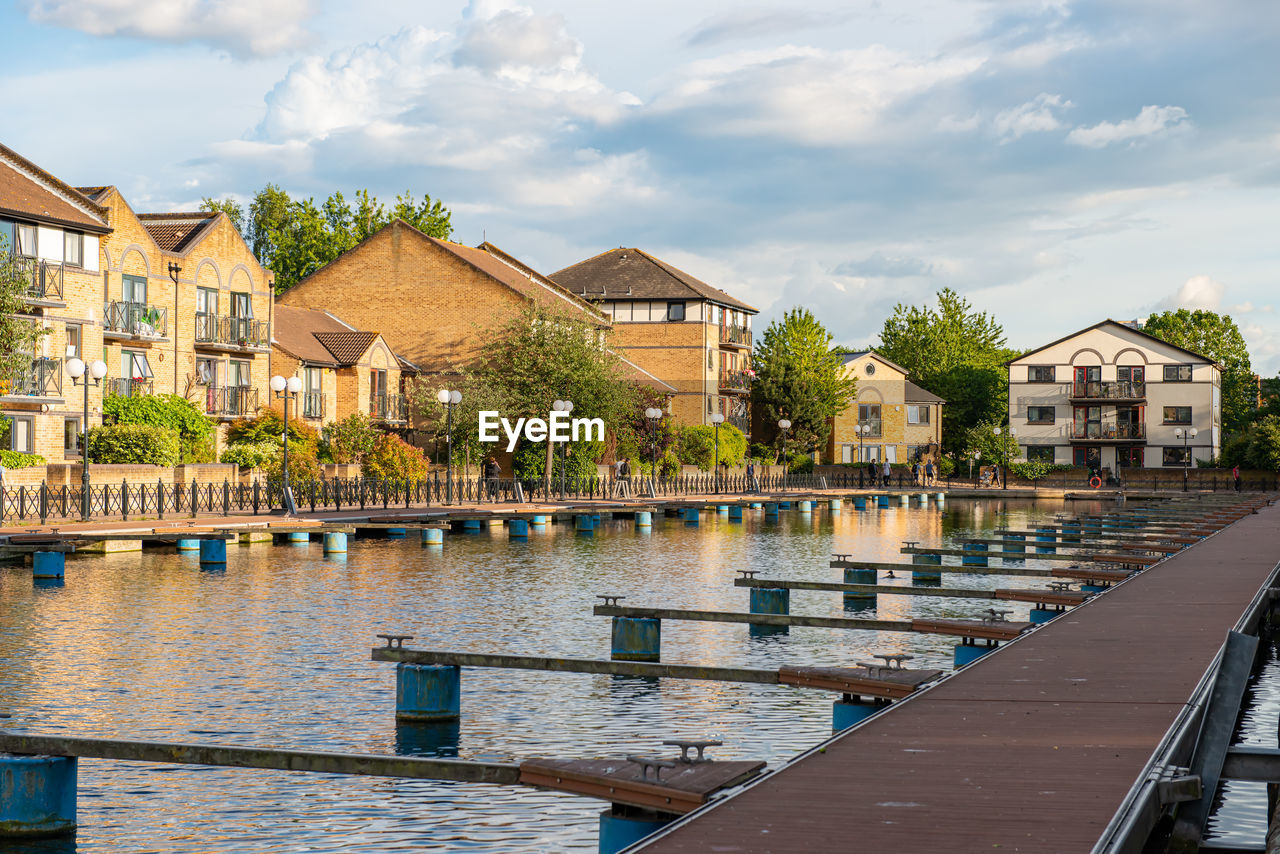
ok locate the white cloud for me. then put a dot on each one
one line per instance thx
(1152, 121)
(1197, 292)
(1035, 116)
(242, 27)
(809, 95)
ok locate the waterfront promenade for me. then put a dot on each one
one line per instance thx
(1032, 748)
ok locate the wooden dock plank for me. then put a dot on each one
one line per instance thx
(680, 790)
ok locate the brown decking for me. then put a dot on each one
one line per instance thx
(1032, 748)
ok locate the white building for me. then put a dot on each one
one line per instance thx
(1111, 397)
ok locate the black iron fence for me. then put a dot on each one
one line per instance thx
(135, 318)
(43, 278)
(160, 500)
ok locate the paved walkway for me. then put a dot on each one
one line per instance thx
(1032, 748)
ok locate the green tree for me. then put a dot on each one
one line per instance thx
(18, 336)
(800, 377)
(995, 449)
(956, 352)
(351, 439)
(1217, 337)
(1264, 444)
(698, 446)
(295, 237)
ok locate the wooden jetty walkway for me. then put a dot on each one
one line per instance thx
(1034, 747)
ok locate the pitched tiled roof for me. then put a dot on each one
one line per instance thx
(346, 347)
(631, 273)
(28, 191)
(174, 232)
(915, 394)
(1125, 327)
(853, 357)
(294, 331)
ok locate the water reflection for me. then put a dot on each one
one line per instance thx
(273, 649)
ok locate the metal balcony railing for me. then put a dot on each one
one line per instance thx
(231, 331)
(731, 333)
(313, 404)
(873, 428)
(742, 422)
(735, 379)
(1120, 432)
(1109, 390)
(125, 387)
(41, 378)
(235, 400)
(136, 318)
(388, 407)
(43, 278)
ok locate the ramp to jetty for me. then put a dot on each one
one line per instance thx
(1031, 748)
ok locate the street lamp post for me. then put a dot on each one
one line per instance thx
(784, 424)
(565, 406)
(286, 389)
(1004, 457)
(450, 399)
(973, 458)
(862, 430)
(654, 414)
(1185, 436)
(717, 419)
(96, 371)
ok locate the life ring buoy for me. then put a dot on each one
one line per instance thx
(1095, 481)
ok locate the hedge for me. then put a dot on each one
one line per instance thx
(19, 460)
(134, 444)
(193, 427)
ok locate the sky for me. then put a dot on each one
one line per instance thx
(1056, 162)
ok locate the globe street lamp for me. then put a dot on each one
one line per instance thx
(96, 370)
(717, 419)
(565, 406)
(654, 414)
(784, 424)
(861, 430)
(450, 399)
(286, 389)
(1004, 457)
(1185, 436)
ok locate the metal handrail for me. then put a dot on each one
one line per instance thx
(227, 329)
(313, 404)
(44, 277)
(1095, 390)
(387, 407)
(1110, 431)
(235, 400)
(126, 387)
(136, 318)
(41, 378)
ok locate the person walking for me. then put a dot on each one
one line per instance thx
(915, 473)
(751, 476)
(928, 472)
(492, 473)
(1235, 475)
(886, 472)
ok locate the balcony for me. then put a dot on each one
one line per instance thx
(873, 428)
(1108, 432)
(41, 380)
(388, 407)
(125, 387)
(1100, 391)
(135, 320)
(742, 422)
(735, 336)
(44, 280)
(736, 380)
(215, 332)
(313, 404)
(235, 401)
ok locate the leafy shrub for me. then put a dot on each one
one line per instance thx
(268, 426)
(19, 460)
(698, 446)
(351, 439)
(392, 458)
(304, 465)
(134, 444)
(1034, 470)
(800, 464)
(194, 429)
(530, 459)
(946, 467)
(251, 456)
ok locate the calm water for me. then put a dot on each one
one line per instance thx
(275, 651)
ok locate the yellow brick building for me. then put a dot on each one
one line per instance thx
(173, 303)
(343, 370)
(902, 422)
(693, 336)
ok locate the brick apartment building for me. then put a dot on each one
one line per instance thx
(902, 422)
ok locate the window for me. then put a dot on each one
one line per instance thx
(1177, 373)
(1129, 457)
(1090, 457)
(134, 365)
(134, 289)
(1180, 457)
(17, 433)
(73, 341)
(240, 306)
(1135, 374)
(312, 379)
(1040, 374)
(206, 301)
(1040, 454)
(847, 452)
(71, 437)
(238, 373)
(207, 371)
(869, 414)
(711, 360)
(1177, 415)
(675, 311)
(917, 414)
(25, 238)
(378, 381)
(1040, 414)
(73, 248)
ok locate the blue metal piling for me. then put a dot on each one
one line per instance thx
(48, 564)
(624, 829)
(213, 552)
(644, 519)
(191, 545)
(335, 543)
(979, 558)
(37, 795)
(1046, 535)
(636, 639)
(846, 713)
(925, 577)
(859, 601)
(433, 536)
(428, 692)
